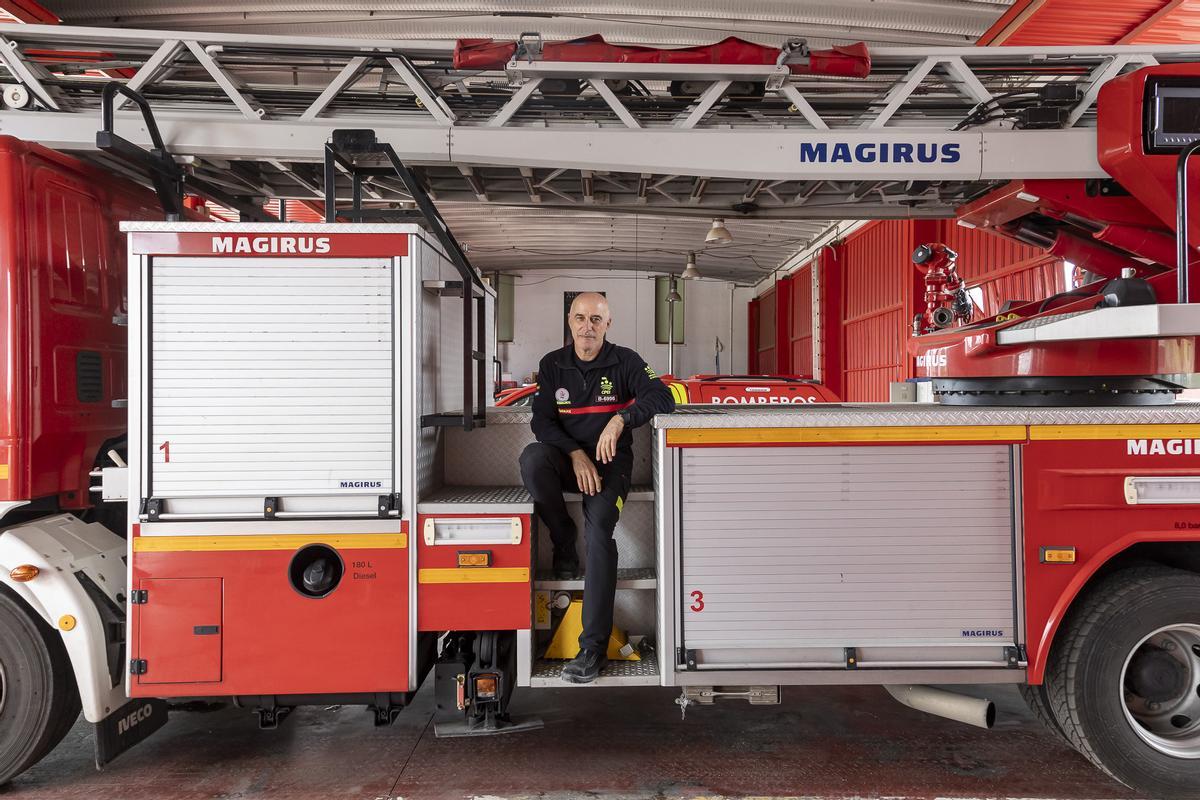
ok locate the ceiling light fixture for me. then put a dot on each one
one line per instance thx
(718, 233)
(690, 272)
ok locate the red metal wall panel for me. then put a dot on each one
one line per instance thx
(982, 254)
(870, 291)
(875, 268)
(875, 355)
(766, 333)
(1177, 23)
(800, 336)
(1056, 22)
(1046, 276)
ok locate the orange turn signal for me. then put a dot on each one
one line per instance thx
(24, 573)
(1058, 555)
(474, 558)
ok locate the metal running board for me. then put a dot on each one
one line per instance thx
(269, 104)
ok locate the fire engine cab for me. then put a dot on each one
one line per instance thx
(323, 509)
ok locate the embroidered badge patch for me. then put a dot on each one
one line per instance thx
(562, 396)
(606, 386)
(650, 372)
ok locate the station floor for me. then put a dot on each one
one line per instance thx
(597, 743)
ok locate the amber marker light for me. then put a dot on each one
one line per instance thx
(24, 573)
(1058, 555)
(481, 558)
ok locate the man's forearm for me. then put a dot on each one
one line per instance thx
(648, 404)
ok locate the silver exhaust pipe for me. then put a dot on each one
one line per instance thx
(972, 710)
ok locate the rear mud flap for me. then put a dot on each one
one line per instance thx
(129, 725)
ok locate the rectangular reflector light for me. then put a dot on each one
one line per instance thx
(476, 558)
(1173, 490)
(485, 530)
(1058, 555)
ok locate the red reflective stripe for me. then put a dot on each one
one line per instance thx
(595, 409)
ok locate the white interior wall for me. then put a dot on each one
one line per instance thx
(539, 320)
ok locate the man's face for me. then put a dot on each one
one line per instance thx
(589, 320)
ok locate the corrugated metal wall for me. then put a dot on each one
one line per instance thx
(874, 313)
(880, 293)
(1059, 22)
(766, 333)
(801, 335)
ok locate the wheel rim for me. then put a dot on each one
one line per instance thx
(1160, 687)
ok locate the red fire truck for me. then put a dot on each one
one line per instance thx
(717, 389)
(308, 451)
(64, 362)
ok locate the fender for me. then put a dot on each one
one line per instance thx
(61, 546)
(1040, 646)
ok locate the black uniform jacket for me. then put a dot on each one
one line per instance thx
(572, 405)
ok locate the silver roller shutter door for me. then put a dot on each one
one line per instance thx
(905, 552)
(272, 378)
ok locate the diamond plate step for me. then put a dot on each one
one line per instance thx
(618, 673)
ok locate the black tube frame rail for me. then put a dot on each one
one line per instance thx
(342, 149)
(170, 181)
(1182, 250)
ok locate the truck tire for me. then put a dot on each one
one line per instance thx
(38, 698)
(1039, 703)
(1124, 680)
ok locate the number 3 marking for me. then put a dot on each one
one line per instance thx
(699, 604)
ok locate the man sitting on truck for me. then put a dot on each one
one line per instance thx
(591, 395)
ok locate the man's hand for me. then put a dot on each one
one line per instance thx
(606, 447)
(586, 474)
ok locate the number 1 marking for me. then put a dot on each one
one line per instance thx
(166, 448)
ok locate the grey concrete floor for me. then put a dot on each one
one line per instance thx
(829, 742)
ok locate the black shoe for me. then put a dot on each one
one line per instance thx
(566, 563)
(585, 667)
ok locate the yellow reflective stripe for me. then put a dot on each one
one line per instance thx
(620, 503)
(1063, 432)
(3, 472)
(179, 544)
(474, 575)
(959, 433)
(679, 393)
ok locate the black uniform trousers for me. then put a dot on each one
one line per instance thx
(547, 473)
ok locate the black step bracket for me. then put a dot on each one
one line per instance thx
(137, 666)
(151, 508)
(690, 660)
(851, 656)
(1015, 657)
(139, 597)
(385, 715)
(270, 507)
(269, 718)
(389, 505)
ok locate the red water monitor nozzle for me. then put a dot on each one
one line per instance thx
(946, 299)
